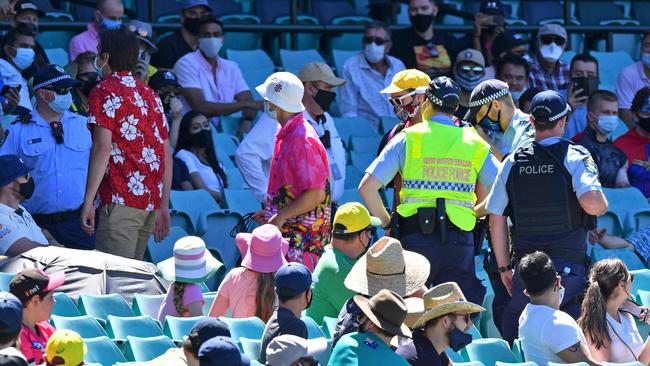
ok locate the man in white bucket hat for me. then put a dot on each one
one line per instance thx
(298, 195)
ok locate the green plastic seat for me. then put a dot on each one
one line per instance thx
(119, 327)
(251, 347)
(146, 349)
(177, 327)
(64, 306)
(488, 351)
(252, 327)
(641, 280)
(102, 350)
(85, 325)
(456, 357)
(294, 60)
(215, 227)
(209, 300)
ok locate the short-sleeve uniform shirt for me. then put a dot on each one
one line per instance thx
(16, 225)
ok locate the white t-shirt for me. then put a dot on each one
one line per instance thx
(194, 165)
(12, 77)
(628, 332)
(14, 226)
(544, 332)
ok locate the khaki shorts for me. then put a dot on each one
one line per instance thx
(124, 230)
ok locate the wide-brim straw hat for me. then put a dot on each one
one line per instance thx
(387, 265)
(263, 250)
(192, 262)
(446, 298)
(387, 310)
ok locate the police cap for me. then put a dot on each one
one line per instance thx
(485, 93)
(444, 93)
(548, 107)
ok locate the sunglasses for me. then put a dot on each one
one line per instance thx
(472, 69)
(399, 101)
(464, 316)
(59, 91)
(88, 75)
(552, 39)
(376, 40)
(139, 31)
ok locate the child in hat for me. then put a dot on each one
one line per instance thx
(191, 264)
(65, 348)
(249, 290)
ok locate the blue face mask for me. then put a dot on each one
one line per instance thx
(24, 58)
(61, 103)
(110, 23)
(458, 340)
(488, 124)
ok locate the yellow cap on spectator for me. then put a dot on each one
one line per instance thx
(352, 217)
(66, 345)
(409, 79)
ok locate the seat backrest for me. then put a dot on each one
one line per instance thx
(610, 65)
(368, 144)
(241, 200)
(644, 297)
(225, 7)
(594, 12)
(216, 229)
(641, 12)
(252, 327)
(294, 60)
(329, 326)
(268, 10)
(251, 60)
(353, 177)
(85, 325)
(178, 327)
(64, 306)
(209, 300)
(340, 56)
(326, 10)
(641, 280)
(193, 203)
(251, 347)
(224, 144)
(488, 351)
(536, 11)
(235, 179)
(361, 160)
(102, 350)
(158, 252)
(146, 349)
(119, 327)
(147, 304)
(5, 280)
(313, 330)
(101, 306)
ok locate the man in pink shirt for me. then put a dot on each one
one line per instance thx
(298, 196)
(632, 79)
(108, 15)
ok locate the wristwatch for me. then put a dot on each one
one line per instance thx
(505, 269)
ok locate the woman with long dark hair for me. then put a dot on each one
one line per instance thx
(196, 149)
(607, 315)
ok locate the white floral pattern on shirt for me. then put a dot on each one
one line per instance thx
(135, 183)
(116, 154)
(140, 103)
(150, 157)
(128, 129)
(112, 104)
(128, 81)
(117, 199)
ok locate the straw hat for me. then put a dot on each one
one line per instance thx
(263, 250)
(191, 263)
(446, 298)
(387, 310)
(387, 265)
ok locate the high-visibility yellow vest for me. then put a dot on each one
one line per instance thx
(442, 161)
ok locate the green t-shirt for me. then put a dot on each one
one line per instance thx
(329, 292)
(364, 349)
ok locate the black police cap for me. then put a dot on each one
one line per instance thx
(444, 93)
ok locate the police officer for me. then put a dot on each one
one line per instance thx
(497, 119)
(56, 144)
(550, 191)
(445, 169)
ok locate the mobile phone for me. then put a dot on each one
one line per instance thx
(633, 308)
(494, 20)
(6, 88)
(588, 84)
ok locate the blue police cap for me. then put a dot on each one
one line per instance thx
(53, 75)
(12, 169)
(548, 107)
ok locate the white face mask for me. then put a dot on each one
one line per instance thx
(272, 114)
(561, 295)
(374, 53)
(551, 52)
(607, 124)
(211, 46)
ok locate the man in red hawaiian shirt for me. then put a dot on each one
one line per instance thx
(130, 162)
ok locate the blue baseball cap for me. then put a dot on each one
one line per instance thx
(221, 351)
(294, 277)
(192, 3)
(12, 169)
(548, 107)
(11, 313)
(210, 327)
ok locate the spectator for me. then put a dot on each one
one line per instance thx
(602, 117)
(221, 351)
(204, 329)
(382, 317)
(35, 290)
(213, 85)
(83, 70)
(55, 135)
(386, 265)
(249, 290)
(65, 347)
(319, 82)
(366, 73)
(526, 98)
(548, 334)
(506, 43)
(514, 71)
(606, 319)
(185, 40)
(351, 237)
(634, 142)
(638, 241)
(166, 85)
(289, 350)
(130, 140)
(419, 47)
(192, 264)
(108, 15)
(293, 287)
(144, 32)
(469, 70)
(298, 198)
(11, 319)
(583, 71)
(27, 16)
(17, 55)
(19, 232)
(547, 71)
(437, 329)
(196, 150)
(632, 79)
(489, 22)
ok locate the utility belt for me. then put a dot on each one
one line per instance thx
(57, 217)
(553, 252)
(427, 220)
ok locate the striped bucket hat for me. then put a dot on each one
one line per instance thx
(192, 262)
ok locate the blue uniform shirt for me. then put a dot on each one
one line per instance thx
(59, 170)
(393, 156)
(583, 179)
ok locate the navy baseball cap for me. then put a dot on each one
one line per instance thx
(492, 7)
(192, 3)
(53, 75)
(504, 41)
(484, 93)
(209, 327)
(294, 278)
(12, 169)
(11, 313)
(221, 351)
(163, 78)
(26, 5)
(548, 107)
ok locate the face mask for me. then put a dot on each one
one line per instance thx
(374, 53)
(110, 23)
(210, 46)
(516, 94)
(561, 294)
(645, 58)
(309, 299)
(607, 124)
(458, 340)
(406, 112)
(200, 139)
(272, 114)
(100, 73)
(550, 52)
(644, 123)
(324, 98)
(192, 25)
(468, 83)
(29, 26)
(24, 58)
(490, 125)
(61, 103)
(88, 85)
(421, 22)
(27, 189)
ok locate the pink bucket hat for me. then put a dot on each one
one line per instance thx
(263, 250)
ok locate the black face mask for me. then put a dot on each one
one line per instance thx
(421, 22)
(324, 98)
(490, 125)
(27, 189)
(644, 123)
(309, 300)
(201, 139)
(88, 85)
(31, 27)
(192, 25)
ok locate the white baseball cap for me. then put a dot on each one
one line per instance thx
(286, 349)
(283, 89)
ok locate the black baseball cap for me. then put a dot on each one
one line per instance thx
(26, 5)
(505, 41)
(484, 93)
(444, 92)
(492, 7)
(548, 107)
(53, 75)
(163, 78)
(33, 281)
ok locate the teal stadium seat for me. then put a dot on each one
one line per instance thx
(529, 363)
(252, 327)
(368, 144)
(158, 252)
(610, 65)
(251, 59)
(294, 60)
(85, 325)
(354, 126)
(182, 220)
(102, 350)
(313, 330)
(624, 202)
(64, 306)
(57, 56)
(241, 200)
(644, 297)
(456, 357)
(209, 300)
(305, 41)
(351, 41)
(147, 304)
(146, 349)
(5, 280)
(177, 327)
(119, 327)
(329, 326)
(193, 203)
(251, 347)
(216, 226)
(101, 306)
(518, 351)
(488, 351)
(340, 56)
(350, 195)
(628, 256)
(387, 123)
(229, 124)
(242, 40)
(362, 160)
(353, 177)
(641, 280)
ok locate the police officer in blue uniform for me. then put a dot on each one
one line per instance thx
(56, 144)
(550, 191)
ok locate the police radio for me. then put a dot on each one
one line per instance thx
(57, 131)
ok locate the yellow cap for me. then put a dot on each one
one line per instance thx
(353, 217)
(66, 345)
(408, 79)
